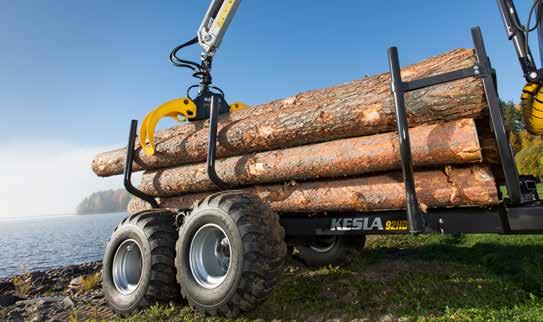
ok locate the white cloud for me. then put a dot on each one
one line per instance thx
(38, 178)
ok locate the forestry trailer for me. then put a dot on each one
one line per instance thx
(226, 253)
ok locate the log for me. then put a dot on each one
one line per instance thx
(361, 107)
(449, 143)
(451, 186)
(487, 140)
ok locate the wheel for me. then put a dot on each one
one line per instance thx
(230, 254)
(138, 267)
(330, 250)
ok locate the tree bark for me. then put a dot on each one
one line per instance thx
(449, 143)
(361, 107)
(487, 140)
(452, 186)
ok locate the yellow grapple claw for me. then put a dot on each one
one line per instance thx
(532, 107)
(237, 106)
(180, 109)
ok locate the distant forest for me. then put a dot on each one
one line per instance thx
(104, 202)
(528, 148)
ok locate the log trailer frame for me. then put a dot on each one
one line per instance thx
(521, 212)
(225, 255)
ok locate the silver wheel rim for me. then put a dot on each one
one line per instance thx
(209, 256)
(324, 244)
(127, 267)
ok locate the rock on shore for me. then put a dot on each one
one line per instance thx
(59, 294)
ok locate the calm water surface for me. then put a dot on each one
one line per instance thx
(38, 243)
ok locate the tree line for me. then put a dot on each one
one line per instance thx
(104, 202)
(528, 148)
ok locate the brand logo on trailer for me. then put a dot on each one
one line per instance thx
(348, 224)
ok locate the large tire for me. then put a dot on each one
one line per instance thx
(332, 250)
(138, 267)
(243, 268)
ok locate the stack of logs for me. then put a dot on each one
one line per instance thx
(333, 149)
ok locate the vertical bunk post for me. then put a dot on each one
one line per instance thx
(505, 152)
(414, 215)
(128, 168)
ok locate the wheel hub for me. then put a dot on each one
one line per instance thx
(323, 244)
(127, 267)
(209, 256)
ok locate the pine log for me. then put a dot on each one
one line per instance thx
(487, 140)
(361, 107)
(449, 143)
(452, 186)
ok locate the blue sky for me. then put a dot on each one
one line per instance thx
(72, 73)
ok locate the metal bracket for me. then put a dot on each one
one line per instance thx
(528, 186)
(474, 71)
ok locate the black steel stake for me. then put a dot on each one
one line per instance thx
(414, 216)
(128, 168)
(496, 121)
(212, 144)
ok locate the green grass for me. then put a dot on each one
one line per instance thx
(423, 278)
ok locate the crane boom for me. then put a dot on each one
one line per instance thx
(214, 25)
(532, 93)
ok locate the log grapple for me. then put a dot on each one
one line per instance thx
(210, 34)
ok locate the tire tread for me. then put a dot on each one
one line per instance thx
(159, 227)
(263, 238)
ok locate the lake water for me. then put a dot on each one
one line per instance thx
(38, 243)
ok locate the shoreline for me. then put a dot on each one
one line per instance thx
(57, 294)
(24, 271)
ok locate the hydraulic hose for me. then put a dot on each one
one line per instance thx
(532, 108)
